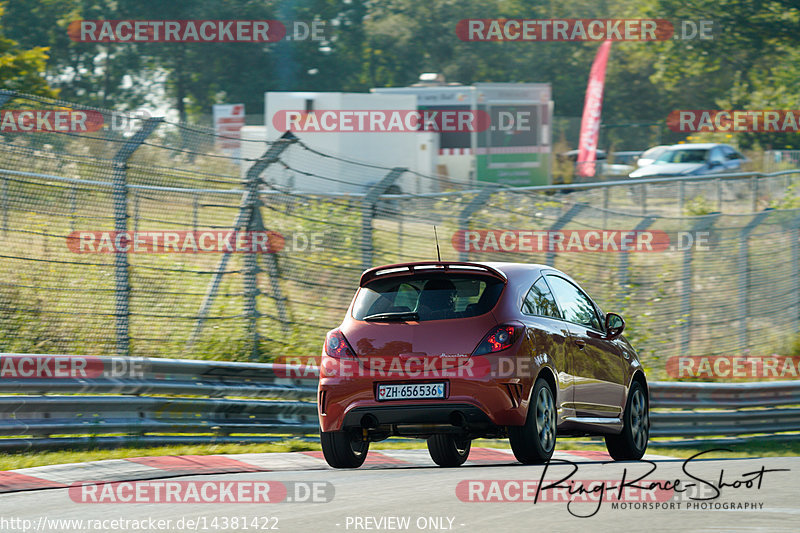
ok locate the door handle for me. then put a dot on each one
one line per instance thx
(581, 343)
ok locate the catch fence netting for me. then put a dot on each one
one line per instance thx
(720, 276)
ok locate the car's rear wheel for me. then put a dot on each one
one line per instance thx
(535, 442)
(632, 442)
(449, 450)
(343, 449)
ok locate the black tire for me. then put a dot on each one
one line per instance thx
(343, 449)
(535, 442)
(448, 450)
(631, 444)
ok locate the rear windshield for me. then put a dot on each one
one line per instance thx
(429, 296)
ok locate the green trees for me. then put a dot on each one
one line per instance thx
(20, 68)
(750, 63)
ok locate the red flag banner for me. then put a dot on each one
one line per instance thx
(592, 108)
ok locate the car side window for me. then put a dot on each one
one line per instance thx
(575, 305)
(716, 155)
(731, 154)
(539, 301)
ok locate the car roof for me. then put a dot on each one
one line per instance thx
(694, 146)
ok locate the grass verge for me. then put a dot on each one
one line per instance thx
(11, 461)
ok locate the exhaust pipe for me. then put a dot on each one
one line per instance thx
(458, 419)
(369, 421)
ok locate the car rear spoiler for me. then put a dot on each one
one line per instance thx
(405, 269)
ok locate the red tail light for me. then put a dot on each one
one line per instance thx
(499, 339)
(337, 346)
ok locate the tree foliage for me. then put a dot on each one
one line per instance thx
(750, 63)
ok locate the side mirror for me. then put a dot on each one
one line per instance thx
(614, 325)
(714, 164)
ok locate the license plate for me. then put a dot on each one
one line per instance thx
(410, 391)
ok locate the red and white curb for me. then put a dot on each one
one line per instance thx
(140, 468)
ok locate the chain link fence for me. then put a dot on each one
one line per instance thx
(720, 275)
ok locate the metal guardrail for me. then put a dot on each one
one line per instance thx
(148, 400)
(117, 400)
(691, 410)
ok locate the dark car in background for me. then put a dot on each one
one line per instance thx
(451, 352)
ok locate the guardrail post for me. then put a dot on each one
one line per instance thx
(754, 187)
(624, 257)
(719, 194)
(120, 195)
(681, 197)
(368, 212)
(744, 274)
(5, 96)
(466, 214)
(562, 221)
(703, 224)
(247, 211)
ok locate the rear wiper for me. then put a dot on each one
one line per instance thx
(402, 315)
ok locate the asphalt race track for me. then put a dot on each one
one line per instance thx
(401, 490)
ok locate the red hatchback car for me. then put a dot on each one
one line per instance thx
(452, 351)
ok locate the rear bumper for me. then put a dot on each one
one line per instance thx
(476, 403)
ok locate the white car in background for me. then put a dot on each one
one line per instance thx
(650, 155)
(693, 159)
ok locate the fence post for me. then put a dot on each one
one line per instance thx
(120, 195)
(562, 221)
(754, 187)
(794, 266)
(744, 274)
(194, 212)
(73, 206)
(252, 222)
(135, 211)
(644, 199)
(5, 205)
(466, 214)
(245, 217)
(5, 96)
(703, 224)
(368, 212)
(623, 255)
(681, 197)
(719, 194)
